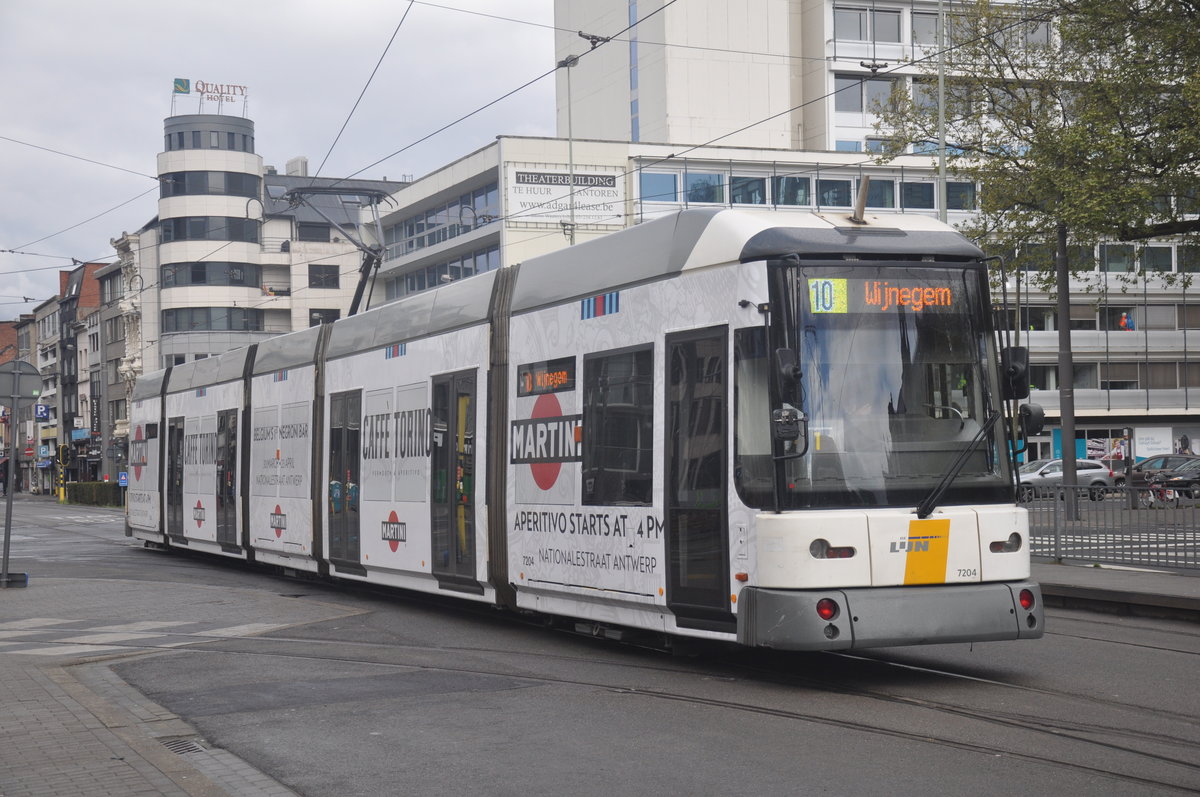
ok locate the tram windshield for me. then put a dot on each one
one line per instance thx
(897, 377)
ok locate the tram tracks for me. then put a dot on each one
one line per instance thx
(1096, 746)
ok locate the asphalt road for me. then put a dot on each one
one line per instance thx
(347, 692)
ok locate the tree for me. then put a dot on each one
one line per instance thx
(1077, 119)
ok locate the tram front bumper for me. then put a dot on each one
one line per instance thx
(887, 616)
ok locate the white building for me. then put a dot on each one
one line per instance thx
(774, 73)
(229, 260)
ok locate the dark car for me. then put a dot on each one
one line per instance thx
(1143, 471)
(1184, 480)
(1043, 477)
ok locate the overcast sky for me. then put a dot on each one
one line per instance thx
(92, 79)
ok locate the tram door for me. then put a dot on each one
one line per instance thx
(452, 481)
(345, 430)
(174, 480)
(227, 477)
(697, 450)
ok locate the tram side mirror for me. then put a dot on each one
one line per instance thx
(788, 364)
(1033, 420)
(1014, 372)
(788, 424)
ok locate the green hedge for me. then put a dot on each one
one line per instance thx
(94, 493)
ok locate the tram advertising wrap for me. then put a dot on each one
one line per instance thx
(761, 427)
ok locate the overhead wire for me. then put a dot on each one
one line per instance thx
(367, 85)
(603, 40)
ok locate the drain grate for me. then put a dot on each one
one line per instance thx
(183, 746)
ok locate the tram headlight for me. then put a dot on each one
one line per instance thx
(821, 549)
(1011, 545)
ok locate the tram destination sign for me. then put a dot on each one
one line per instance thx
(844, 295)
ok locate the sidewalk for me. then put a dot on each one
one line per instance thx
(1121, 590)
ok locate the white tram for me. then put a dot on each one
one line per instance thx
(774, 428)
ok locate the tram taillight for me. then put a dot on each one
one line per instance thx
(827, 609)
(1026, 599)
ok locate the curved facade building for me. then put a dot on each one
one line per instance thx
(210, 241)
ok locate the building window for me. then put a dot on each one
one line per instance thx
(1086, 376)
(960, 196)
(917, 196)
(217, 183)
(214, 140)
(1083, 316)
(854, 94)
(861, 24)
(880, 193)
(1189, 316)
(1118, 318)
(748, 190)
(618, 428)
(1118, 376)
(111, 288)
(847, 146)
(323, 276)
(312, 231)
(1158, 376)
(209, 228)
(316, 316)
(116, 410)
(1158, 316)
(704, 187)
(1043, 377)
(443, 222)
(198, 319)
(114, 330)
(1156, 258)
(211, 273)
(1116, 257)
(659, 187)
(924, 28)
(792, 190)
(421, 279)
(113, 373)
(833, 193)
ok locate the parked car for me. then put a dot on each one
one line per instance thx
(1143, 471)
(1184, 480)
(1043, 476)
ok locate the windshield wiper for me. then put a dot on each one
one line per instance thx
(926, 507)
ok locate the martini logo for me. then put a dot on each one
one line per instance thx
(602, 305)
(278, 521)
(393, 531)
(547, 440)
(198, 514)
(137, 453)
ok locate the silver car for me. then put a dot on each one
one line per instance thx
(1043, 477)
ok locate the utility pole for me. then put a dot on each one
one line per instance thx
(569, 226)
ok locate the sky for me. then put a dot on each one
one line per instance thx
(86, 85)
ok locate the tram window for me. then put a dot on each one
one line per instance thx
(618, 428)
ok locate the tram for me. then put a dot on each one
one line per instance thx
(773, 428)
